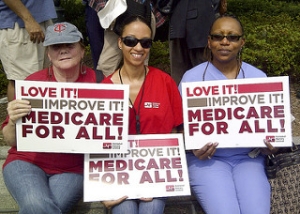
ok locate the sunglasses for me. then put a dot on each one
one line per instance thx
(131, 41)
(230, 38)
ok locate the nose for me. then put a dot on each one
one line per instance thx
(63, 48)
(138, 46)
(225, 40)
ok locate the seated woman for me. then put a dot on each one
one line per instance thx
(47, 182)
(156, 106)
(227, 180)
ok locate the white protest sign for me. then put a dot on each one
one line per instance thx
(73, 117)
(154, 166)
(237, 113)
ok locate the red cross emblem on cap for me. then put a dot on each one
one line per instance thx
(59, 28)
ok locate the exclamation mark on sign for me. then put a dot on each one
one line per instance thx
(120, 130)
(75, 93)
(282, 121)
(235, 89)
(180, 175)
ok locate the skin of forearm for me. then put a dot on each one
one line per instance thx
(19, 8)
(9, 134)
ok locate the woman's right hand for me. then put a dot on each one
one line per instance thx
(206, 152)
(17, 109)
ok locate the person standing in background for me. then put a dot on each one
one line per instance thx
(111, 55)
(22, 27)
(95, 34)
(188, 31)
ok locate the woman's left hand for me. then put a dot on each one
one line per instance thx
(111, 203)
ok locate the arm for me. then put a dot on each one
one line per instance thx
(33, 28)
(16, 109)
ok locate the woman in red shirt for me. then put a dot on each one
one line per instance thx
(47, 182)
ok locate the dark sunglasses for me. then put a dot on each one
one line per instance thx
(131, 41)
(230, 38)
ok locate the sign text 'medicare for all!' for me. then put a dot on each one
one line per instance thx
(73, 117)
(237, 113)
(154, 166)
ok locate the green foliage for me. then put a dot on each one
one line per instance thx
(3, 81)
(159, 55)
(272, 44)
(272, 35)
(268, 7)
(74, 13)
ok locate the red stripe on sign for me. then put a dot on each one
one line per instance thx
(260, 87)
(100, 93)
(157, 142)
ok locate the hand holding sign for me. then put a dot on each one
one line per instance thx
(206, 152)
(17, 109)
(246, 110)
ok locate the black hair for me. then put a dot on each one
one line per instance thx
(230, 16)
(207, 52)
(134, 18)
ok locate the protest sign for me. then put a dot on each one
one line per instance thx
(154, 166)
(237, 113)
(73, 117)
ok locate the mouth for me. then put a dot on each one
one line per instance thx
(224, 51)
(137, 56)
(63, 59)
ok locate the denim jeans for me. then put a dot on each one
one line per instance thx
(156, 206)
(37, 192)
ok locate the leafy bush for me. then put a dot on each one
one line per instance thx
(159, 55)
(272, 35)
(272, 45)
(74, 13)
(3, 81)
(268, 7)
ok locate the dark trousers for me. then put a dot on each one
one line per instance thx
(95, 33)
(182, 58)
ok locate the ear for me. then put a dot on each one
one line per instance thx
(208, 41)
(120, 43)
(49, 57)
(243, 42)
(82, 53)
